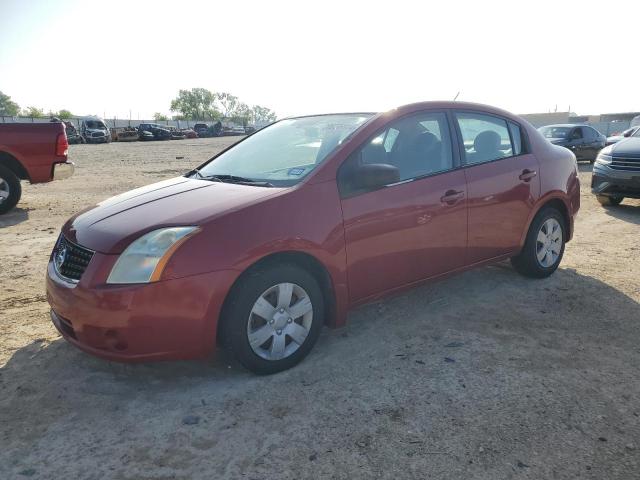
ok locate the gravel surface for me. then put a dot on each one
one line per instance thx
(486, 375)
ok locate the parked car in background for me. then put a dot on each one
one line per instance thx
(283, 232)
(94, 130)
(127, 134)
(616, 172)
(31, 151)
(233, 130)
(158, 132)
(189, 133)
(584, 141)
(202, 129)
(176, 133)
(616, 137)
(73, 136)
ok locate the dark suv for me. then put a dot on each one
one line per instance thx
(616, 173)
(584, 141)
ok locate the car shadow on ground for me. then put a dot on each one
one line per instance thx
(491, 303)
(628, 213)
(450, 349)
(14, 217)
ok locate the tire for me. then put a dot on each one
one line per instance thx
(532, 261)
(260, 290)
(10, 189)
(607, 201)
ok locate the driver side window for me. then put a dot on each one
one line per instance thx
(417, 145)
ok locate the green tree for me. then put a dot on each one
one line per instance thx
(197, 104)
(64, 114)
(159, 117)
(7, 106)
(262, 114)
(228, 102)
(33, 112)
(242, 114)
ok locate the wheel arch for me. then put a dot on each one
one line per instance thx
(12, 163)
(301, 259)
(560, 204)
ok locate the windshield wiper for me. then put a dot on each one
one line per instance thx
(233, 179)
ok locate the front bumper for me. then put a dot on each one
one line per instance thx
(608, 181)
(63, 170)
(167, 320)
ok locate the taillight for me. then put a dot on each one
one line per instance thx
(62, 145)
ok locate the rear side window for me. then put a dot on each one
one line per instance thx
(485, 137)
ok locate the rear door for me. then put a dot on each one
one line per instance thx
(415, 228)
(502, 183)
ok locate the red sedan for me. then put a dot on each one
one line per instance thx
(287, 230)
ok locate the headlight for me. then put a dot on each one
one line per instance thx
(603, 159)
(144, 260)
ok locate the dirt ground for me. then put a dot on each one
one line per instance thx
(487, 375)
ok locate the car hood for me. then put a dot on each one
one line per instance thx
(111, 225)
(628, 147)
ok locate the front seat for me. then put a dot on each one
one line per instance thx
(420, 156)
(487, 147)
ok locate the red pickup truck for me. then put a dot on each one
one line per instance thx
(31, 151)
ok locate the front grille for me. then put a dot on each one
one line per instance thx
(629, 164)
(97, 134)
(71, 260)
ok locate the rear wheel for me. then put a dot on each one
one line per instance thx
(544, 246)
(273, 318)
(10, 189)
(607, 201)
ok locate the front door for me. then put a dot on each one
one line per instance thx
(502, 184)
(415, 228)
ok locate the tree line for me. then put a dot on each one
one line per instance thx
(202, 104)
(194, 104)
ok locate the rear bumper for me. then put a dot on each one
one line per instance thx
(608, 181)
(63, 170)
(167, 320)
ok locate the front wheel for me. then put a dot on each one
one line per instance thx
(544, 246)
(273, 318)
(607, 201)
(10, 189)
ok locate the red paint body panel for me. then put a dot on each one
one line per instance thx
(33, 145)
(369, 245)
(404, 233)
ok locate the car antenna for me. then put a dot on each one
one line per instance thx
(456, 97)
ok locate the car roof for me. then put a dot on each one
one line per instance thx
(429, 105)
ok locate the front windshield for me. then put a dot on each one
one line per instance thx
(555, 132)
(95, 124)
(285, 152)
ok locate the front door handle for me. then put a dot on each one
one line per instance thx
(527, 175)
(451, 197)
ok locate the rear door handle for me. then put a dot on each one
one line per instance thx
(451, 197)
(527, 175)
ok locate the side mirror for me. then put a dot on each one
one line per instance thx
(627, 134)
(375, 175)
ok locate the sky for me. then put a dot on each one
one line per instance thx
(115, 57)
